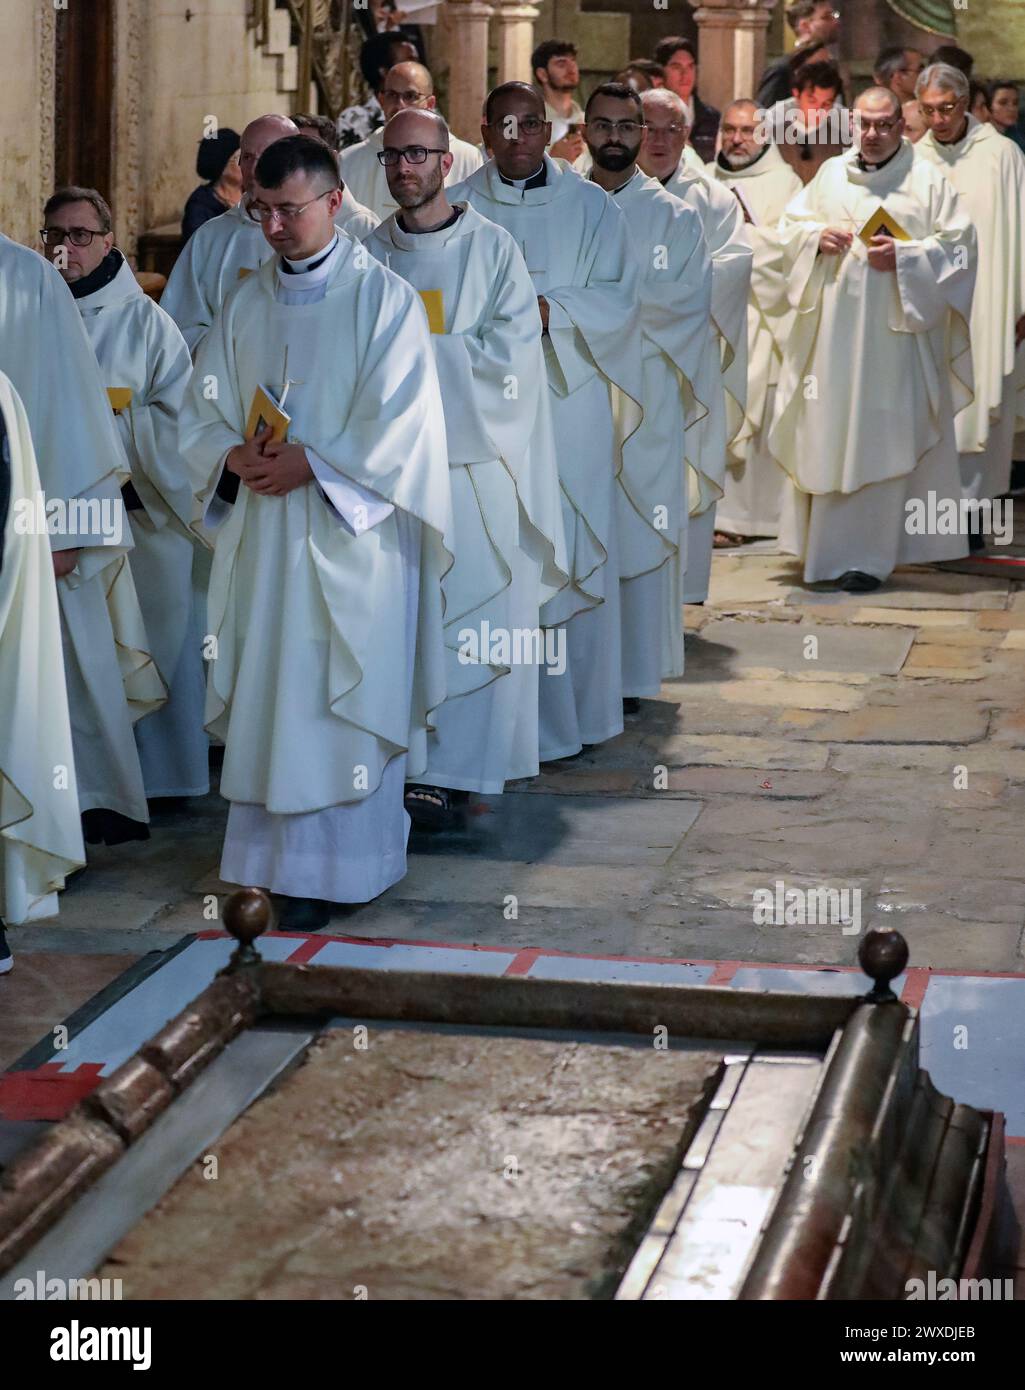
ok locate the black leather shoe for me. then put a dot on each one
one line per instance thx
(304, 914)
(856, 582)
(631, 704)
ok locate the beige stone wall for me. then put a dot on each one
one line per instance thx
(994, 32)
(24, 129)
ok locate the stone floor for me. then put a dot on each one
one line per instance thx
(863, 742)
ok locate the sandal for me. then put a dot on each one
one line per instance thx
(726, 540)
(429, 808)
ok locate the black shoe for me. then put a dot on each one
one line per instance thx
(103, 827)
(304, 914)
(856, 582)
(976, 542)
(631, 704)
(6, 959)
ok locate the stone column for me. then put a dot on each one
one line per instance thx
(731, 47)
(468, 66)
(515, 40)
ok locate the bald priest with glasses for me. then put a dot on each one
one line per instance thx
(321, 462)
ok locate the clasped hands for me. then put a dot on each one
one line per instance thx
(882, 253)
(266, 466)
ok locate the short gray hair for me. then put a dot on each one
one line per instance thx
(72, 193)
(945, 77)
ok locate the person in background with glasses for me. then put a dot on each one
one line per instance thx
(877, 363)
(680, 371)
(406, 87)
(574, 240)
(224, 250)
(988, 173)
(815, 23)
(722, 218)
(510, 547)
(142, 353)
(332, 534)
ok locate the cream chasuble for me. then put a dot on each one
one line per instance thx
(708, 443)
(364, 174)
(231, 247)
(675, 286)
(874, 369)
(329, 655)
(140, 350)
(510, 548)
(988, 171)
(40, 831)
(111, 678)
(573, 239)
(754, 480)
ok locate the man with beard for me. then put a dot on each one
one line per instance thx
(407, 87)
(574, 242)
(679, 373)
(722, 218)
(510, 549)
(753, 169)
(325, 597)
(878, 360)
(988, 173)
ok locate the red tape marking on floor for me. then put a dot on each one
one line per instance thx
(46, 1092)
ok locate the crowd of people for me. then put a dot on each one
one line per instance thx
(401, 490)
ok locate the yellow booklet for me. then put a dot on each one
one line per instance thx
(266, 411)
(120, 398)
(882, 223)
(243, 271)
(435, 307)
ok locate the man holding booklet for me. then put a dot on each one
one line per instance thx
(333, 532)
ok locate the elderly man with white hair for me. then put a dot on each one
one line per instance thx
(753, 169)
(988, 173)
(880, 260)
(722, 217)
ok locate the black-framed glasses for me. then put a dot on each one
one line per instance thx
(78, 236)
(601, 126)
(287, 212)
(413, 154)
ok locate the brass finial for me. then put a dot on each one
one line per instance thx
(247, 915)
(883, 954)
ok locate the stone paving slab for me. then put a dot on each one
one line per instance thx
(784, 646)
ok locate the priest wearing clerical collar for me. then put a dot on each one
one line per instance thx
(988, 173)
(878, 362)
(325, 596)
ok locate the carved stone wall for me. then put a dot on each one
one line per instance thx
(130, 60)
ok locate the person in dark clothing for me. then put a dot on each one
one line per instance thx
(217, 165)
(816, 24)
(679, 59)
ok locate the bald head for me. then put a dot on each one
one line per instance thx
(520, 97)
(414, 127)
(666, 132)
(258, 134)
(418, 186)
(878, 124)
(407, 87)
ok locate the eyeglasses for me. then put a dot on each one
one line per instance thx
(409, 97)
(287, 213)
(880, 127)
(413, 154)
(675, 129)
(600, 126)
(947, 109)
(530, 125)
(78, 236)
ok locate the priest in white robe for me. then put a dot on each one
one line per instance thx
(510, 548)
(763, 182)
(407, 87)
(675, 287)
(325, 596)
(146, 366)
(988, 172)
(111, 678)
(40, 831)
(228, 248)
(574, 241)
(878, 362)
(728, 246)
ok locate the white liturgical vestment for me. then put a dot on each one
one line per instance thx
(40, 831)
(874, 370)
(573, 239)
(325, 603)
(510, 548)
(141, 351)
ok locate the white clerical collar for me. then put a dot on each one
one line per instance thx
(522, 183)
(312, 270)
